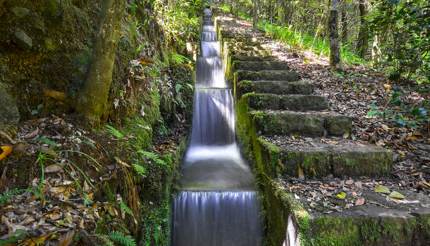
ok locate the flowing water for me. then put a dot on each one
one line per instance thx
(218, 205)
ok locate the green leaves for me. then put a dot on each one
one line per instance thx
(151, 156)
(114, 132)
(121, 239)
(141, 170)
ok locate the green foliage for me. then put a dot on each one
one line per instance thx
(158, 228)
(403, 29)
(152, 157)
(114, 132)
(125, 209)
(305, 41)
(179, 19)
(47, 141)
(7, 195)
(400, 113)
(178, 59)
(120, 239)
(17, 236)
(38, 191)
(139, 169)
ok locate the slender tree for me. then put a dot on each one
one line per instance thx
(363, 36)
(93, 99)
(344, 21)
(255, 10)
(334, 34)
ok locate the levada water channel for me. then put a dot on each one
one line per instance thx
(218, 204)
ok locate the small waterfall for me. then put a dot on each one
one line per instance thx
(219, 218)
(218, 205)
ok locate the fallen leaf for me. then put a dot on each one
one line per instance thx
(341, 195)
(121, 162)
(32, 134)
(66, 239)
(396, 195)
(382, 189)
(57, 95)
(360, 201)
(55, 168)
(5, 151)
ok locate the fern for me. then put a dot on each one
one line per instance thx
(114, 132)
(178, 59)
(152, 157)
(125, 209)
(121, 239)
(141, 170)
(6, 196)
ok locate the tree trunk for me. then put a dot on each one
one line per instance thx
(344, 20)
(93, 99)
(255, 13)
(334, 35)
(363, 36)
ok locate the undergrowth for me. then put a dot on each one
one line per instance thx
(305, 41)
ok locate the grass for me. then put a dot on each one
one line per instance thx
(304, 41)
(300, 40)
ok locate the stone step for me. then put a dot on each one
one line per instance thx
(317, 158)
(260, 65)
(379, 222)
(303, 87)
(277, 75)
(252, 58)
(276, 122)
(261, 101)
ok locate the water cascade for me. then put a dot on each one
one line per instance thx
(218, 204)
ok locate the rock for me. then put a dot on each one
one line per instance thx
(22, 39)
(20, 12)
(9, 114)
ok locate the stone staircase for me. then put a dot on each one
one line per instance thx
(288, 132)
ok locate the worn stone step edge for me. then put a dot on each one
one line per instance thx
(260, 65)
(276, 75)
(346, 159)
(261, 101)
(282, 122)
(389, 227)
(303, 87)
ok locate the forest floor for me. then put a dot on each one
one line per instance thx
(391, 114)
(61, 182)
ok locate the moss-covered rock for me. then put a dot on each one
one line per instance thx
(305, 123)
(287, 102)
(316, 159)
(303, 87)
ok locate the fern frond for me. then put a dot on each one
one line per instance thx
(121, 239)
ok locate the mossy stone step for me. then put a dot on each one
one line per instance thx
(276, 122)
(260, 65)
(287, 102)
(323, 157)
(370, 225)
(241, 57)
(277, 75)
(303, 87)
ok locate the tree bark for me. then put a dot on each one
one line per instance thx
(363, 36)
(344, 21)
(255, 13)
(93, 98)
(334, 35)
